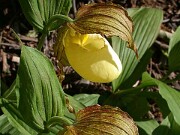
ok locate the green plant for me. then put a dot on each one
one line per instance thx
(36, 103)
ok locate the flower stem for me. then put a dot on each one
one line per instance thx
(59, 17)
(47, 27)
(58, 120)
(136, 89)
(41, 41)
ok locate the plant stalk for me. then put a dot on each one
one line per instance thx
(41, 41)
(46, 28)
(58, 120)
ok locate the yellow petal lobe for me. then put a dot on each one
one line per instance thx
(91, 56)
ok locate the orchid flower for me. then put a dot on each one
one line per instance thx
(91, 56)
(81, 43)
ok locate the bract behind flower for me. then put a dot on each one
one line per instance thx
(92, 56)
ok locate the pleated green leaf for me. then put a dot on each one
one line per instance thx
(167, 127)
(12, 121)
(87, 99)
(171, 96)
(147, 23)
(10, 93)
(147, 126)
(39, 12)
(174, 51)
(6, 127)
(128, 83)
(40, 94)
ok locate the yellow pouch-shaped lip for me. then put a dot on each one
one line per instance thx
(91, 56)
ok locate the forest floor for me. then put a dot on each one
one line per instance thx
(11, 16)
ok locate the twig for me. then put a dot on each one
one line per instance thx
(8, 40)
(4, 60)
(0, 37)
(166, 20)
(162, 45)
(25, 38)
(150, 67)
(11, 45)
(164, 34)
(74, 7)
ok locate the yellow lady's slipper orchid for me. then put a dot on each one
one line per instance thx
(91, 56)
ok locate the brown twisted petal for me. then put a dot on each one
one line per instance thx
(58, 47)
(106, 19)
(102, 120)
